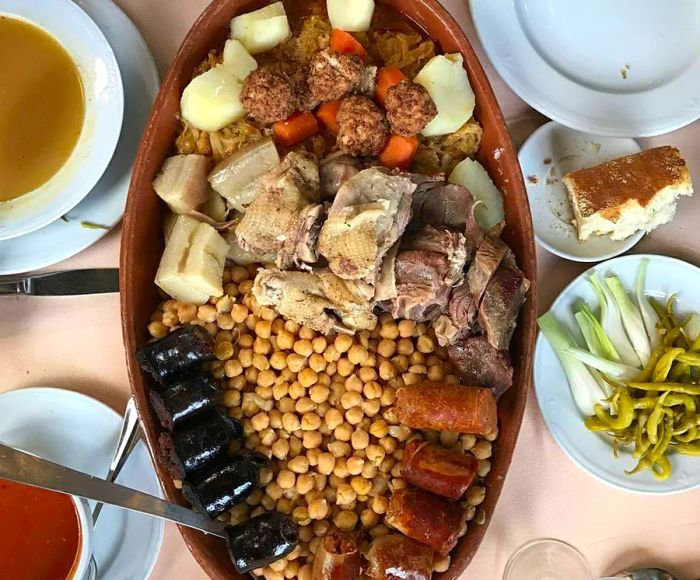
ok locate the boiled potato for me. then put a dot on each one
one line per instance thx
(350, 15)
(262, 29)
(238, 60)
(472, 175)
(447, 83)
(212, 100)
(191, 268)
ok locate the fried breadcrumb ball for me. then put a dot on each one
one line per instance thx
(362, 128)
(333, 75)
(269, 95)
(409, 108)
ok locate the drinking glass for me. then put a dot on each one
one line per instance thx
(547, 559)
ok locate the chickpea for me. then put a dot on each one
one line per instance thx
(353, 383)
(467, 440)
(436, 374)
(387, 370)
(345, 367)
(303, 348)
(310, 422)
(357, 354)
(389, 444)
(361, 485)
(318, 509)
(379, 504)
(307, 377)
(343, 342)
(369, 471)
(239, 313)
(333, 418)
(295, 446)
(354, 415)
(370, 408)
(246, 340)
(386, 348)
(482, 449)
(231, 398)
(476, 495)
(343, 432)
(319, 393)
(317, 362)
(296, 390)
(251, 374)
(299, 464)
(389, 330)
(295, 362)
(355, 465)
(425, 344)
(375, 453)
(406, 328)
(388, 397)
(367, 374)
(345, 494)
(286, 479)
(378, 531)
(285, 340)
(290, 422)
(369, 518)
(311, 439)
(360, 439)
(441, 563)
(451, 379)
(207, 313)
(304, 572)
(339, 448)
(320, 528)
(260, 421)
(350, 399)
(326, 463)
(305, 405)
(379, 428)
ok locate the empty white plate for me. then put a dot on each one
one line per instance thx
(549, 153)
(592, 451)
(80, 432)
(627, 68)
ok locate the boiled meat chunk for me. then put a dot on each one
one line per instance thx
(272, 219)
(301, 250)
(501, 304)
(481, 365)
(321, 300)
(369, 214)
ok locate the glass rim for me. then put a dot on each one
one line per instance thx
(545, 540)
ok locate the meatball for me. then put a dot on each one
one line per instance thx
(362, 128)
(305, 100)
(333, 75)
(269, 95)
(409, 108)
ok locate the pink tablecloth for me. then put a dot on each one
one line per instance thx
(75, 343)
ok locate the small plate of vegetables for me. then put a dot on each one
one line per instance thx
(617, 373)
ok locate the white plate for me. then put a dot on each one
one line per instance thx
(104, 109)
(548, 154)
(104, 205)
(627, 68)
(77, 431)
(592, 451)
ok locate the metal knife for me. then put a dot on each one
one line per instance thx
(67, 283)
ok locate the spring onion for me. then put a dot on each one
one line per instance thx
(651, 319)
(611, 321)
(594, 335)
(612, 369)
(631, 319)
(691, 329)
(584, 388)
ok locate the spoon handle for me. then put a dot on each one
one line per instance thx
(22, 467)
(128, 437)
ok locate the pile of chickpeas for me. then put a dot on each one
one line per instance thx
(321, 407)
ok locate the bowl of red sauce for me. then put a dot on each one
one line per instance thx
(44, 535)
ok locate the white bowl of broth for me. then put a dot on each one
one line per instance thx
(61, 109)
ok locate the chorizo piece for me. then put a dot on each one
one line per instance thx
(337, 558)
(438, 470)
(396, 557)
(446, 407)
(426, 518)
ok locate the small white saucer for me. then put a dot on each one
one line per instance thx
(80, 432)
(103, 207)
(548, 154)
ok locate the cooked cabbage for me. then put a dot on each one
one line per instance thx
(409, 52)
(218, 144)
(442, 154)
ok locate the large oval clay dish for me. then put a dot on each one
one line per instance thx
(142, 245)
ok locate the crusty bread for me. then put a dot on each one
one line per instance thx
(625, 195)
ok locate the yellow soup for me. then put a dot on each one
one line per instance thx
(41, 107)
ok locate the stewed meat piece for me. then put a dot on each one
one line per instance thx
(333, 75)
(362, 128)
(409, 108)
(269, 95)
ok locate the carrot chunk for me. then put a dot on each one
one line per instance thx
(399, 152)
(295, 129)
(345, 42)
(387, 76)
(328, 115)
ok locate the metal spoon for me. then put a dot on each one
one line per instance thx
(643, 574)
(128, 437)
(21, 467)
